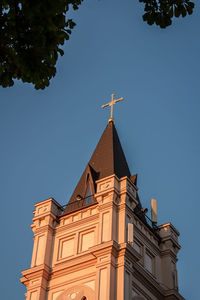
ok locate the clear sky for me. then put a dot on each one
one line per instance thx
(47, 137)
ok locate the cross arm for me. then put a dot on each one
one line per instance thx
(105, 105)
(120, 99)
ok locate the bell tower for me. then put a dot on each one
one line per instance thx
(101, 246)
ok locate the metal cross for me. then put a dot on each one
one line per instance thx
(111, 103)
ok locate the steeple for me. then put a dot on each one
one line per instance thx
(108, 159)
(102, 247)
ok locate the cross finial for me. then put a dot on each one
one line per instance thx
(111, 103)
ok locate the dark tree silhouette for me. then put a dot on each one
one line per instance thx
(32, 32)
(161, 12)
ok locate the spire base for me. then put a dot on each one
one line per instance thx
(111, 121)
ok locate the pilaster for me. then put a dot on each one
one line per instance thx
(44, 223)
(169, 248)
(107, 197)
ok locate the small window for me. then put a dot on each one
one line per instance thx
(137, 247)
(88, 194)
(149, 261)
(134, 293)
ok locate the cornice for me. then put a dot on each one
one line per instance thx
(43, 215)
(44, 229)
(47, 201)
(55, 284)
(73, 265)
(172, 227)
(74, 224)
(35, 273)
(110, 247)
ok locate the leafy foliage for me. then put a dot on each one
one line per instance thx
(161, 12)
(33, 31)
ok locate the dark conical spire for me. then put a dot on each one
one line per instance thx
(108, 159)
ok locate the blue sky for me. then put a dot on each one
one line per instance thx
(47, 137)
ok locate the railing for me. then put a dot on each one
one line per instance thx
(142, 215)
(78, 204)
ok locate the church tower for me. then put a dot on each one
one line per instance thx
(101, 246)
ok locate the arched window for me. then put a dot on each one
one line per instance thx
(83, 298)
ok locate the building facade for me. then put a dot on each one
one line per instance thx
(101, 246)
